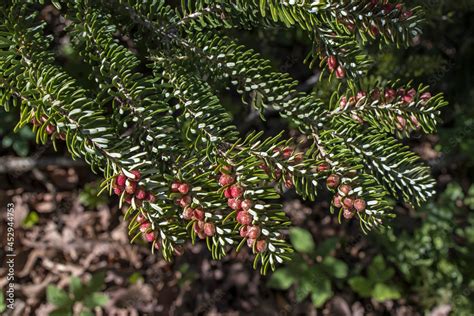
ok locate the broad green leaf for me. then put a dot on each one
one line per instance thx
(378, 270)
(281, 279)
(322, 296)
(30, 220)
(302, 291)
(3, 306)
(361, 286)
(383, 292)
(302, 240)
(135, 278)
(97, 282)
(76, 288)
(298, 266)
(334, 267)
(61, 312)
(95, 299)
(57, 296)
(327, 246)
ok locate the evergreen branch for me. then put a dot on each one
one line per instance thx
(395, 111)
(113, 67)
(397, 168)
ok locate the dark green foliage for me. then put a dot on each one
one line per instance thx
(377, 283)
(85, 293)
(151, 105)
(435, 259)
(314, 279)
(20, 141)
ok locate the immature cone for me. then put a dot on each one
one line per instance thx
(360, 205)
(225, 180)
(151, 197)
(375, 95)
(246, 204)
(244, 230)
(401, 92)
(144, 227)
(188, 213)
(415, 121)
(411, 93)
(131, 187)
(405, 15)
(343, 103)
(234, 204)
(425, 96)
(118, 191)
(345, 189)
(150, 236)
(289, 182)
(141, 218)
(324, 167)
(390, 95)
(250, 242)
(121, 179)
(199, 214)
(340, 72)
(175, 186)
(336, 201)
(360, 95)
(199, 229)
(332, 63)
(287, 152)
(264, 167)
(50, 129)
(253, 232)
(136, 175)
(407, 99)
(236, 191)
(357, 118)
(261, 245)
(374, 30)
(228, 193)
(352, 101)
(388, 7)
(209, 229)
(244, 218)
(347, 213)
(185, 201)
(140, 194)
(183, 188)
(401, 122)
(348, 203)
(277, 173)
(35, 122)
(298, 157)
(333, 181)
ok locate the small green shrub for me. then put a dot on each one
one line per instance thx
(85, 294)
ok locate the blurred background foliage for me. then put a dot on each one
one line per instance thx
(425, 259)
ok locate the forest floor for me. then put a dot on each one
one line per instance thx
(62, 230)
